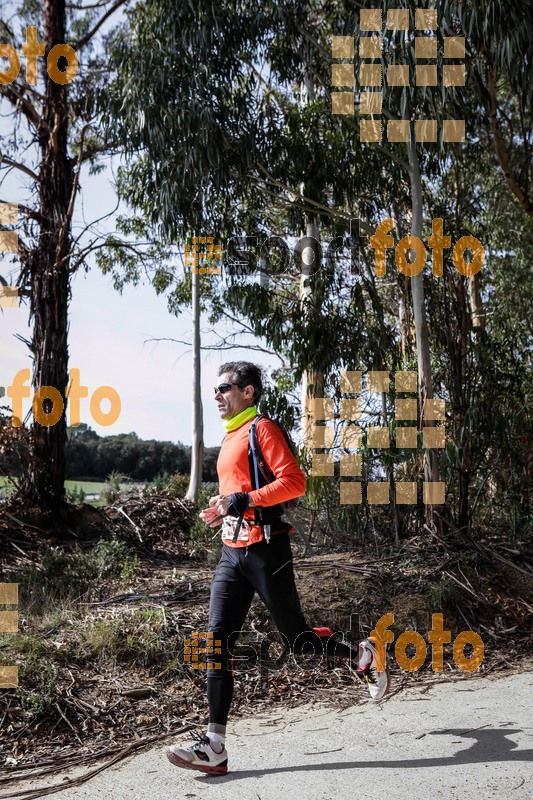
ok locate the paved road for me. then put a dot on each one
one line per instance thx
(468, 739)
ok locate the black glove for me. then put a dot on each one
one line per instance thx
(239, 504)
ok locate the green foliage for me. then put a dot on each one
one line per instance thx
(113, 488)
(63, 577)
(139, 639)
(93, 456)
(42, 700)
(75, 495)
(109, 556)
(58, 576)
(443, 595)
(130, 568)
(177, 485)
(256, 151)
(160, 482)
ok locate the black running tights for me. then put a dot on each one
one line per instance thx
(265, 568)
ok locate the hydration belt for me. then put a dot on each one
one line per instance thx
(241, 526)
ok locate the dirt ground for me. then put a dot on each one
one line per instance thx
(113, 673)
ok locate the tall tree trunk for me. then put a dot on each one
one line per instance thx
(425, 381)
(197, 448)
(390, 474)
(44, 474)
(476, 303)
(312, 380)
(501, 149)
(264, 278)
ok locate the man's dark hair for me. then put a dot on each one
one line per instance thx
(245, 374)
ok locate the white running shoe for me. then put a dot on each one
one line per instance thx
(200, 756)
(378, 683)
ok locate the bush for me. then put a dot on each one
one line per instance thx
(113, 487)
(59, 575)
(75, 495)
(41, 702)
(160, 482)
(177, 485)
(130, 568)
(200, 533)
(443, 594)
(67, 576)
(109, 556)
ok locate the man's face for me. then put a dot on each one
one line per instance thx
(235, 399)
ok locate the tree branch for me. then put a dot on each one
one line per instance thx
(99, 4)
(501, 149)
(90, 152)
(223, 345)
(30, 212)
(10, 163)
(330, 212)
(9, 91)
(68, 216)
(93, 247)
(88, 36)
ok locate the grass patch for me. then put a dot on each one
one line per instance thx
(76, 490)
(443, 594)
(140, 638)
(61, 578)
(89, 487)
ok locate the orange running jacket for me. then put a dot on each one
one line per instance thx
(234, 471)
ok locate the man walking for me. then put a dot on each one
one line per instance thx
(256, 556)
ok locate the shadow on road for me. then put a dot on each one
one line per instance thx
(489, 746)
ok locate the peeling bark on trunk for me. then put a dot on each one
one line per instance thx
(44, 476)
(197, 448)
(476, 303)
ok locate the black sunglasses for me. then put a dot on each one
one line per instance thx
(224, 387)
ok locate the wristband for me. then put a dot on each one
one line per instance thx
(239, 504)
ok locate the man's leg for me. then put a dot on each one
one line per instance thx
(269, 568)
(271, 571)
(231, 597)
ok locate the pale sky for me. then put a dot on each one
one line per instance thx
(108, 330)
(108, 333)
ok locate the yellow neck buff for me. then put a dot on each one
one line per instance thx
(240, 418)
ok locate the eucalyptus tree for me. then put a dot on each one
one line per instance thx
(222, 145)
(52, 115)
(449, 182)
(484, 369)
(499, 35)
